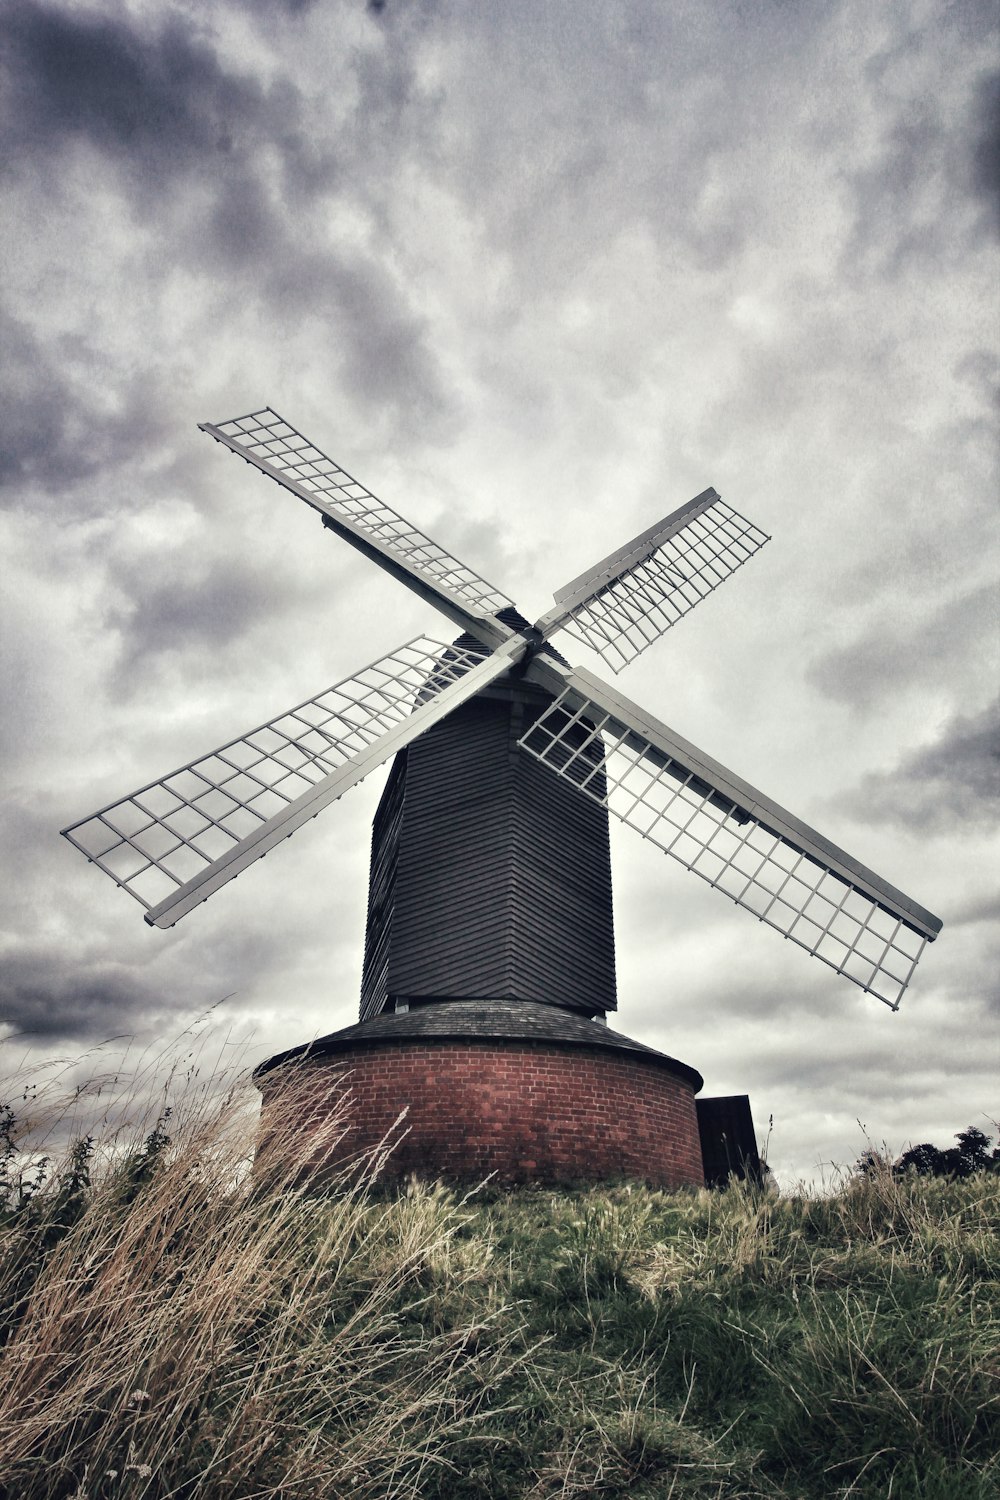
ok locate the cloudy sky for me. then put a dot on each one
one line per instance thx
(537, 274)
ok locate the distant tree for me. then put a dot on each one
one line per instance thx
(924, 1159)
(872, 1163)
(972, 1154)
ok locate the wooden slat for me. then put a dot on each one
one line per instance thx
(500, 883)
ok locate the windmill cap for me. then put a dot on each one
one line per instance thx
(479, 1021)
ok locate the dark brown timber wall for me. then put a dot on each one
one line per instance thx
(526, 1111)
(490, 877)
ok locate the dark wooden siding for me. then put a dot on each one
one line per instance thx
(728, 1142)
(381, 890)
(490, 877)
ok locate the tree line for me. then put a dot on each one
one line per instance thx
(972, 1154)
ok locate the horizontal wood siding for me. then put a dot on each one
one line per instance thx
(381, 891)
(490, 877)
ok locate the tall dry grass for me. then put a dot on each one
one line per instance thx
(174, 1324)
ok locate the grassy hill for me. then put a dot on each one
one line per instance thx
(174, 1325)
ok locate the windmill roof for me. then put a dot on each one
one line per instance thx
(480, 1020)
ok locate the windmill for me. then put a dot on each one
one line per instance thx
(490, 879)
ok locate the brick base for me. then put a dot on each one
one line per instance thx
(524, 1111)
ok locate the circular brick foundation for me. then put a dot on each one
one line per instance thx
(568, 1102)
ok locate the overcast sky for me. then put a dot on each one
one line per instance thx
(537, 274)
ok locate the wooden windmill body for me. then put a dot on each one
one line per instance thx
(489, 957)
(488, 877)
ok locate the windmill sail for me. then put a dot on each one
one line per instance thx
(625, 603)
(731, 835)
(275, 447)
(176, 840)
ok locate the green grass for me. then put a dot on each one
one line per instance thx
(174, 1325)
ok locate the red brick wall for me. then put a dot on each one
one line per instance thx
(526, 1111)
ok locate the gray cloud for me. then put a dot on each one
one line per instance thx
(156, 101)
(933, 156)
(950, 783)
(40, 1000)
(959, 635)
(177, 126)
(195, 600)
(986, 150)
(289, 7)
(59, 429)
(984, 909)
(980, 371)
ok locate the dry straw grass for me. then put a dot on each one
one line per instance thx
(175, 1324)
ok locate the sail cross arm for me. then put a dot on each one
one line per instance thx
(175, 841)
(729, 833)
(623, 604)
(277, 449)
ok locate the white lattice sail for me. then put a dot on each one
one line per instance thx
(720, 828)
(170, 831)
(178, 839)
(277, 448)
(625, 603)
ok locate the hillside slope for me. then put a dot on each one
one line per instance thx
(172, 1324)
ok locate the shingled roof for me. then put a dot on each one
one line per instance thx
(479, 1021)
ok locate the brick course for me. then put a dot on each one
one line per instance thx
(526, 1111)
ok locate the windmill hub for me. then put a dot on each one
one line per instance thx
(535, 639)
(489, 955)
